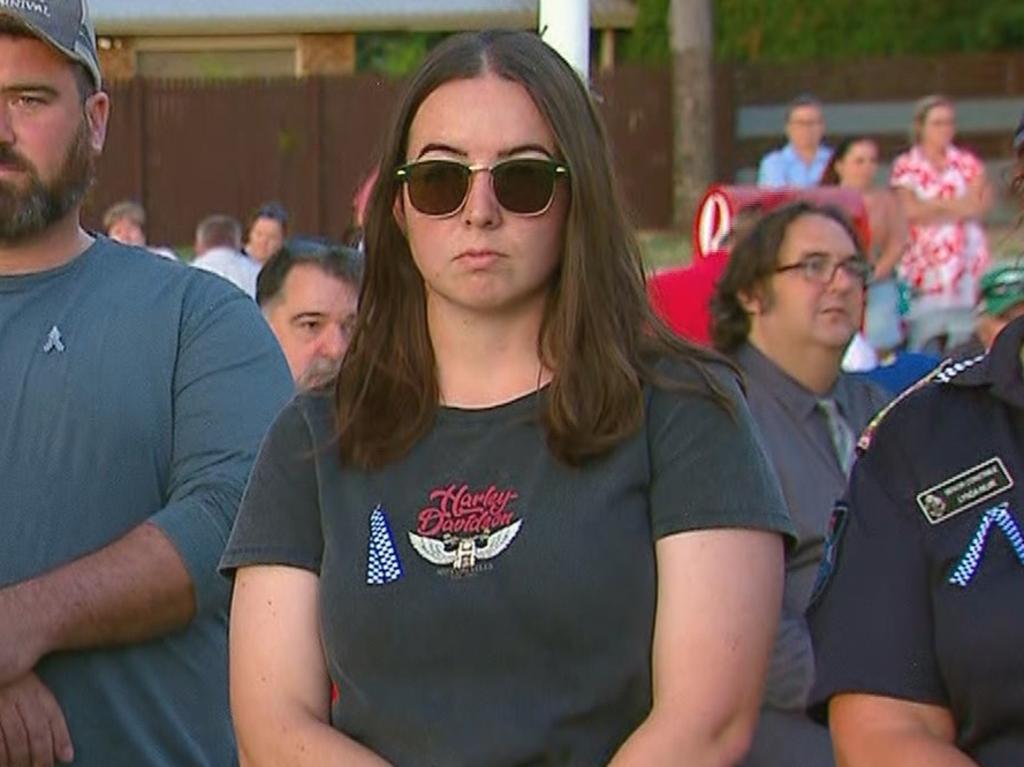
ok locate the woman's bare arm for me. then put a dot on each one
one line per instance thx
(719, 597)
(280, 690)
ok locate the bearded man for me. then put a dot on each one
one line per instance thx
(133, 394)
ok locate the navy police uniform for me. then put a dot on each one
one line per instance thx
(921, 592)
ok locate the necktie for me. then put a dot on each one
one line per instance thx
(839, 430)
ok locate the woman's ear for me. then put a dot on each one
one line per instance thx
(398, 211)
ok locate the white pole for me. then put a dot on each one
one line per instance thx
(565, 26)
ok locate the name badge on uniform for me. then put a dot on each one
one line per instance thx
(967, 489)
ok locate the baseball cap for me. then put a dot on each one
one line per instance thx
(1002, 288)
(64, 24)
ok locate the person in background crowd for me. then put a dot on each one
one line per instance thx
(356, 233)
(133, 396)
(853, 165)
(786, 308)
(525, 529)
(914, 616)
(945, 194)
(1001, 301)
(309, 294)
(267, 230)
(125, 222)
(218, 250)
(802, 160)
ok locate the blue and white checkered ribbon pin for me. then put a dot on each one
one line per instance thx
(999, 516)
(382, 565)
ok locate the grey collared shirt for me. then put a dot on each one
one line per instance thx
(796, 434)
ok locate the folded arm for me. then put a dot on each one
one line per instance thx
(877, 731)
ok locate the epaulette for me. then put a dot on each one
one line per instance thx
(949, 370)
(945, 372)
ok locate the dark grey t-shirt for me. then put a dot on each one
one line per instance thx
(481, 603)
(133, 388)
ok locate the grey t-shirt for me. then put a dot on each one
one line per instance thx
(481, 603)
(133, 388)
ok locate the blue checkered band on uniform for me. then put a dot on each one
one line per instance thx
(971, 560)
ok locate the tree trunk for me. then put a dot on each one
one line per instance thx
(693, 112)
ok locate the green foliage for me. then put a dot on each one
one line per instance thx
(394, 54)
(748, 30)
(780, 30)
(648, 42)
(1001, 26)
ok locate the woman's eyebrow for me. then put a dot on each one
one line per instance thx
(525, 148)
(438, 147)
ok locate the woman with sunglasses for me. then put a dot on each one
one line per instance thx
(917, 620)
(528, 526)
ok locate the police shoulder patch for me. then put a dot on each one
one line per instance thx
(944, 373)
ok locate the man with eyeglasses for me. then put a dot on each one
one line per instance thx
(1000, 302)
(802, 160)
(790, 301)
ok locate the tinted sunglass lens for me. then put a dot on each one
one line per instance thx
(437, 188)
(524, 186)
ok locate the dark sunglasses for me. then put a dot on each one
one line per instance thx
(522, 185)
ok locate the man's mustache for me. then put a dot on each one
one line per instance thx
(11, 159)
(320, 372)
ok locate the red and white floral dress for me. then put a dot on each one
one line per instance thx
(943, 261)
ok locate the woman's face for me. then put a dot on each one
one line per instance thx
(858, 166)
(938, 127)
(482, 257)
(265, 238)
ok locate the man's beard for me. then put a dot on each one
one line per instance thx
(26, 212)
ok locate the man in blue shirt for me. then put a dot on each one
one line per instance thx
(802, 160)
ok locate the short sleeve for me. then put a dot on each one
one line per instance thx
(279, 520)
(708, 466)
(902, 175)
(870, 621)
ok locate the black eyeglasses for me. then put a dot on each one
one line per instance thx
(820, 268)
(522, 185)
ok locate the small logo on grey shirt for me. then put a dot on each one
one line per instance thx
(54, 343)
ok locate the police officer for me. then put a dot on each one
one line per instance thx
(918, 615)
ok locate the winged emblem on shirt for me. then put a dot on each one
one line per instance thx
(463, 553)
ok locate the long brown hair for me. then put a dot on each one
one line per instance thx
(598, 334)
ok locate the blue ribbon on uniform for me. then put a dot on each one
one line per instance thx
(970, 561)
